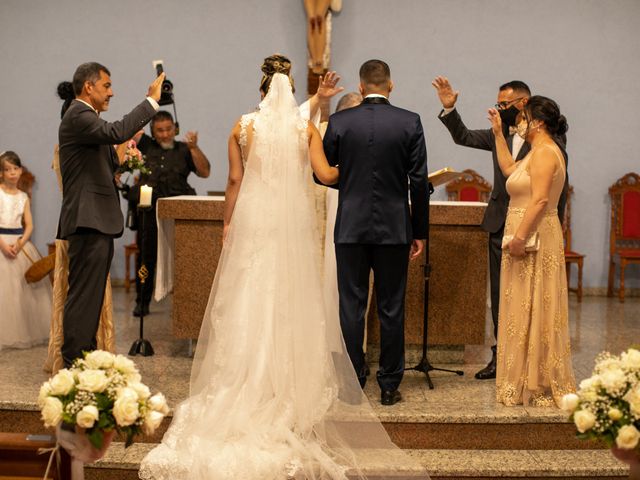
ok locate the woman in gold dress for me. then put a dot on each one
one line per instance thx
(534, 351)
(105, 337)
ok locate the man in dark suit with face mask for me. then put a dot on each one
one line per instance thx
(512, 98)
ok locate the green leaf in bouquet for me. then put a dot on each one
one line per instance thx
(130, 434)
(68, 418)
(103, 402)
(105, 420)
(96, 437)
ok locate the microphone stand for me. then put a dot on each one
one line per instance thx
(141, 346)
(424, 365)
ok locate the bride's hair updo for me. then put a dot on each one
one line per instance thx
(272, 65)
(546, 110)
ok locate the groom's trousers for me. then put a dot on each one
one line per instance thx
(389, 264)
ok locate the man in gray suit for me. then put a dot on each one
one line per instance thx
(90, 217)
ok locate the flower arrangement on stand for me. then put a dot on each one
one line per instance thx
(607, 405)
(98, 396)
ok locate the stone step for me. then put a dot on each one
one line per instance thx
(459, 432)
(123, 464)
(417, 422)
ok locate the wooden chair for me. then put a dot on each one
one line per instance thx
(571, 257)
(129, 251)
(624, 238)
(19, 457)
(470, 187)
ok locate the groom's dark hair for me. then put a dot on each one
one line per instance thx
(375, 72)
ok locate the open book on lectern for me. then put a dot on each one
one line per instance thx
(444, 175)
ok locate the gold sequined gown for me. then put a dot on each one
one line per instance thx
(534, 351)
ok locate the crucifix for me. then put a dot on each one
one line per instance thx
(319, 13)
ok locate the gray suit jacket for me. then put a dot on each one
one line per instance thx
(88, 162)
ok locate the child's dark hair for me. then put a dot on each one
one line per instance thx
(11, 157)
(65, 92)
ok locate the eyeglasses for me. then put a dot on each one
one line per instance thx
(505, 105)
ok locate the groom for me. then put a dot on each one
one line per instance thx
(381, 152)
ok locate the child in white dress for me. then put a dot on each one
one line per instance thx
(26, 308)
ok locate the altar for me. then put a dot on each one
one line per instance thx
(190, 242)
(189, 246)
(457, 283)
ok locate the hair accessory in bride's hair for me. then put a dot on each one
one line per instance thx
(274, 64)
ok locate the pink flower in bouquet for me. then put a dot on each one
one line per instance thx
(133, 159)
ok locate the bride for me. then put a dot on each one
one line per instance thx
(273, 392)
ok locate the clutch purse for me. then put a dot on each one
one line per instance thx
(531, 244)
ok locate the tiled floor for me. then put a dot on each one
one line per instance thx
(598, 323)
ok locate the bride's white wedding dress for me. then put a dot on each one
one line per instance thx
(273, 393)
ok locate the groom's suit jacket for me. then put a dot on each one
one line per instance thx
(88, 162)
(381, 153)
(496, 211)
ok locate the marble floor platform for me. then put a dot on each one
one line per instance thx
(598, 323)
(459, 416)
(441, 464)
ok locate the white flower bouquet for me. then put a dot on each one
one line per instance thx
(102, 394)
(607, 405)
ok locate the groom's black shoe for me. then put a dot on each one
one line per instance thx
(390, 397)
(489, 371)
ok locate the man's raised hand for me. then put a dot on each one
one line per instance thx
(155, 89)
(448, 96)
(327, 87)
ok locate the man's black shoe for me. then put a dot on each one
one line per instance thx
(488, 372)
(390, 397)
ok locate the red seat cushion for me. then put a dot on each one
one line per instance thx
(469, 194)
(629, 252)
(631, 215)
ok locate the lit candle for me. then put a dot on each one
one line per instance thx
(145, 195)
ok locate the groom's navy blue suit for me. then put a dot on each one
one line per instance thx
(381, 152)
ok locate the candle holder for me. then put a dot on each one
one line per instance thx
(141, 346)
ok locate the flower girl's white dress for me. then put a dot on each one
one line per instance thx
(25, 308)
(273, 393)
